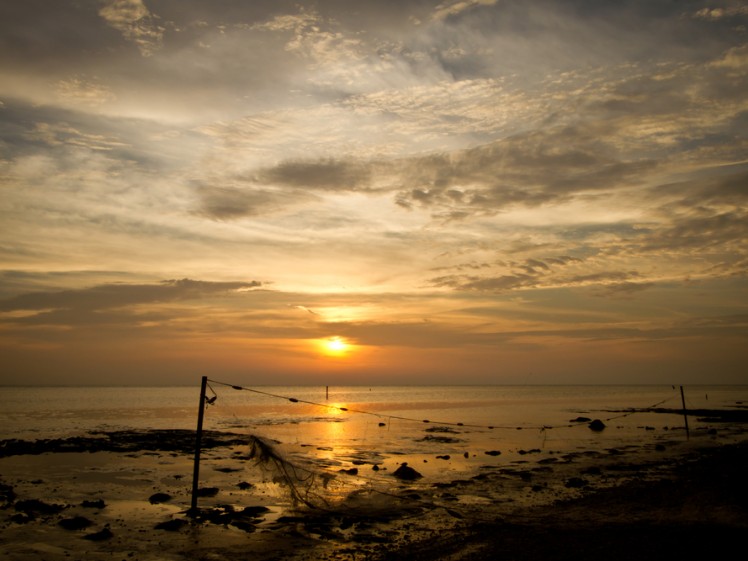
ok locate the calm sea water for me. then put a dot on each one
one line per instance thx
(361, 426)
(385, 420)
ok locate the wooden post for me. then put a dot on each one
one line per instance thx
(327, 393)
(685, 413)
(198, 443)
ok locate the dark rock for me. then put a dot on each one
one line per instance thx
(94, 504)
(581, 420)
(104, 534)
(254, 511)
(448, 430)
(406, 473)
(382, 424)
(593, 470)
(597, 425)
(444, 457)
(576, 483)
(244, 525)
(157, 498)
(75, 523)
(351, 471)
(207, 491)
(35, 506)
(375, 467)
(493, 453)
(439, 439)
(243, 485)
(171, 525)
(660, 447)
(21, 518)
(6, 493)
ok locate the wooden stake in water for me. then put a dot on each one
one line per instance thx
(198, 443)
(327, 392)
(685, 413)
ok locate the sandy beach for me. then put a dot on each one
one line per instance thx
(125, 495)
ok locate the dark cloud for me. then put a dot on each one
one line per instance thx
(525, 170)
(109, 296)
(228, 203)
(325, 175)
(536, 273)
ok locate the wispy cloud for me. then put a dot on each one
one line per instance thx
(451, 175)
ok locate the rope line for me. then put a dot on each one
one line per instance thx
(338, 408)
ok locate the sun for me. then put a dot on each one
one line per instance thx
(335, 346)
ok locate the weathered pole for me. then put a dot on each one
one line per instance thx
(198, 443)
(685, 413)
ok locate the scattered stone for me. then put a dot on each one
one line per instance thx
(244, 525)
(466, 455)
(576, 483)
(254, 511)
(441, 429)
(99, 503)
(439, 439)
(406, 472)
(171, 525)
(382, 424)
(243, 485)
(375, 467)
(75, 523)
(101, 536)
(580, 420)
(21, 518)
(227, 469)
(35, 506)
(207, 491)
(525, 475)
(443, 457)
(351, 471)
(6, 493)
(158, 498)
(493, 453)
(597, 425)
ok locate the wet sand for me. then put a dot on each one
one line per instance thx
(124, 495)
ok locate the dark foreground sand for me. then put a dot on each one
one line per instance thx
(123, 496)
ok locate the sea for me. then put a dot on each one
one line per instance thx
(341, 426)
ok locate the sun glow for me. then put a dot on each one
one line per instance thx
(335, 346)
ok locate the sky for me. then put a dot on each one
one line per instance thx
(373, 192)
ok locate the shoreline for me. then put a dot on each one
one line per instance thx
(107, 482)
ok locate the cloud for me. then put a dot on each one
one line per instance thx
(136, 23)
(228, 203)
(326, 175)
(112, 296)
(84, 91)
(715, 14)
